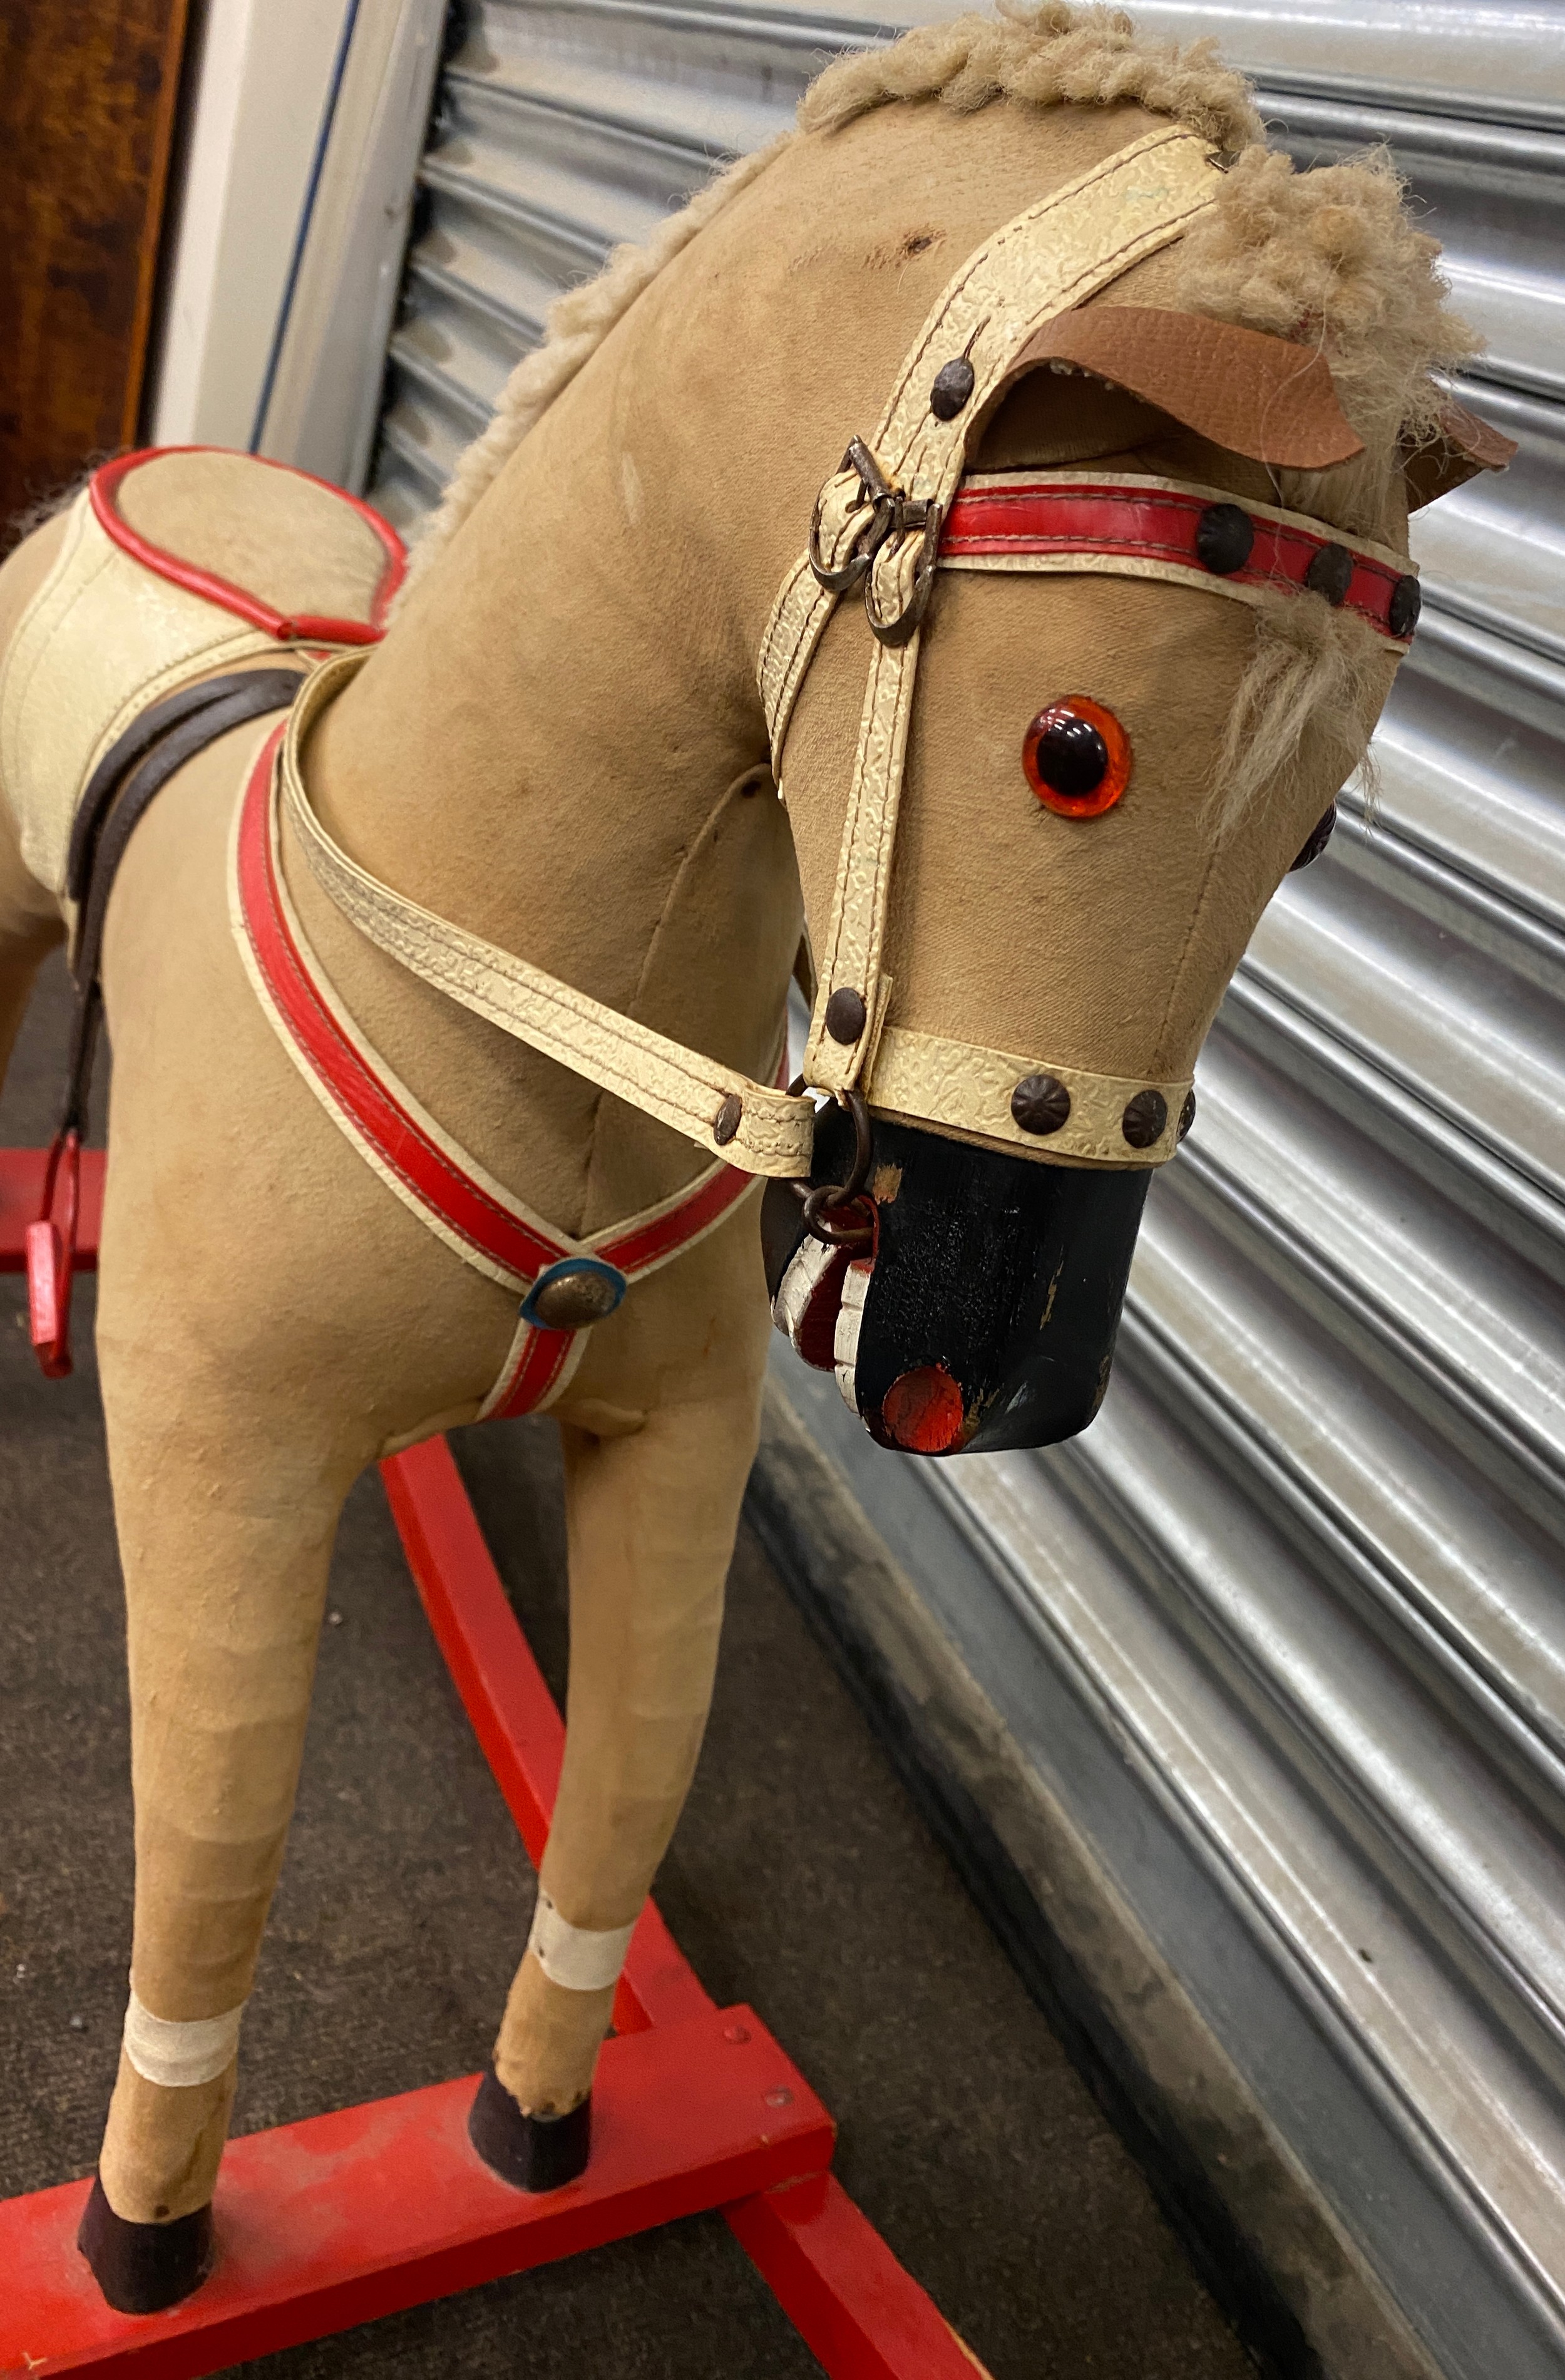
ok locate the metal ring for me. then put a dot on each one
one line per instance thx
(829, 1197)
(827, 1218)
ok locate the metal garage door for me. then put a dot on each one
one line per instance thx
(1305, 1572)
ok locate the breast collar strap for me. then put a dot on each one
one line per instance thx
(447, 1189)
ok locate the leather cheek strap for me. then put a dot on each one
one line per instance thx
(1054, 256)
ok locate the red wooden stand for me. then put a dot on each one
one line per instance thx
(344, 2217)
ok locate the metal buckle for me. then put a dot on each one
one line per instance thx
(889, 514)
(922, 512)
(881, 498)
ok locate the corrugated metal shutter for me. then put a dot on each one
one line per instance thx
(1305, 1570)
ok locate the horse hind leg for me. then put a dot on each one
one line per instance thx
(651, 1521)
(226, 1518)
(30, 924)
(30, 927)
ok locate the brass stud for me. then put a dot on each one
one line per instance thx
(1040, 1103)
(1186, 1115)
(1407, 602)
(576, 1301)
(1144, 1118)
(953, 385)
(1224, 536)
(846, 1015)
(1332, 573)
(728, 1119)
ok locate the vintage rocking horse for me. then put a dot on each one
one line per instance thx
(1070, 654)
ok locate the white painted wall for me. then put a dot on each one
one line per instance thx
(263, 72)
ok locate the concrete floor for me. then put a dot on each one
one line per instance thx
(801, 1880)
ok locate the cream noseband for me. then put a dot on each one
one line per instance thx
(877, 527)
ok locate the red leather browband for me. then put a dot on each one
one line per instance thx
(1006, 522)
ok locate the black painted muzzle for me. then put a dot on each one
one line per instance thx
(984, 1314)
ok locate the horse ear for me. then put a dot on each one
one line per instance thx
(1461, 446)
(1260, 396)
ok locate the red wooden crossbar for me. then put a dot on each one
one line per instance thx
(344, 2217)
(348, 2217)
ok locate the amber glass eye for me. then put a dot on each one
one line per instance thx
(1077, 758)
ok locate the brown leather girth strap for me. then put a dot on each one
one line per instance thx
(136, 767)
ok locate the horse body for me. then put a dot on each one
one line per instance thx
(561, 743)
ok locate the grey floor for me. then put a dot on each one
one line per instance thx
(801, 1880)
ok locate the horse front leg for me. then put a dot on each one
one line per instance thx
(651, 1521)
(226, 1517)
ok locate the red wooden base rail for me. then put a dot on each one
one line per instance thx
(344, 2217)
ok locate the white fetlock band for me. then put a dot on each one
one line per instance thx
(575, 1956)
(177, 2055)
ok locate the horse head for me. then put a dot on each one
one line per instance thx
(1051, 441)
(1118, 598)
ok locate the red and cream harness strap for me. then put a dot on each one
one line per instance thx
(564, 1283)
(1134, 525)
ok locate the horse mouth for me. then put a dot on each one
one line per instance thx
(980, 1311)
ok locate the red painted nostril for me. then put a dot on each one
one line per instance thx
(923, 1410)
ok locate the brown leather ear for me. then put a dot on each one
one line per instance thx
(1460, 447)
(1257, 395)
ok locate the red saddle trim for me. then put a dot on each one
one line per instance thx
(103, 491)
(1047, 517)
(436, 1180)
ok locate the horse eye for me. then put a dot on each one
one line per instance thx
(1077, 758)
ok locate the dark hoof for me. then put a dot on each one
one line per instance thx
(142, 2267)
(529, 2152)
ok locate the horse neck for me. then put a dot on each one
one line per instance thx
(553, 716)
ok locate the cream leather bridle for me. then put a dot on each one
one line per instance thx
(877, 527)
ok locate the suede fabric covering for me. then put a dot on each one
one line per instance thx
(285, 538)
(548, 747)
(802, 1882)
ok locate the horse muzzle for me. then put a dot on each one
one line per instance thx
(971, 1301)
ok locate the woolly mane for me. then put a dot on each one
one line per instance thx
(1327, 258)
